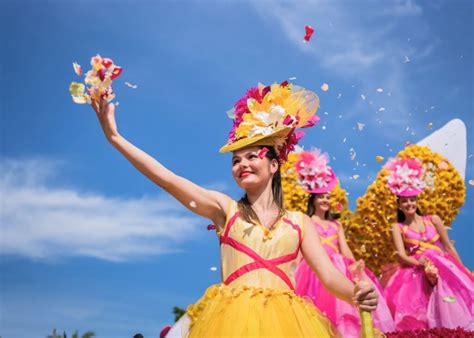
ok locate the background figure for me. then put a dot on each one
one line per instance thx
(319, 179)
(431, 288)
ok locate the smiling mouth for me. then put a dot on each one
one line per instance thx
(244, 174)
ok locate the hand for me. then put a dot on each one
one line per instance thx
(431, 273)
(106, 115)
(424, 261)
(365, 296)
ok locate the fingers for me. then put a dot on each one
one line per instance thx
(369, 302)
(366, 297)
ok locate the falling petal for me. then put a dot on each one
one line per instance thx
(355, 177)
(339, 95)
(309, 32)
(379, 158)
(192, 204)
(129, 85)
(324, 87)
(380, 90)
(471, 182)
(362, 96)
(449, 299)
(406, 59)
(352, 153)
(344, 140)
(213, 268)
(360, 126)
(430, 125)
(77, 68)
(323, 127)
(292, 78)
(382, 109)
(117, 104)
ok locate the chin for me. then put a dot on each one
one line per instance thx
(247, 184)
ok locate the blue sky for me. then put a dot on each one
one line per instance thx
(87, 243)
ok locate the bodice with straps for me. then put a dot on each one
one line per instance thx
(329, 236)
(253, 255)
(418, 242)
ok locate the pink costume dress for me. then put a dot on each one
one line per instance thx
(414, 302)
(342, 314)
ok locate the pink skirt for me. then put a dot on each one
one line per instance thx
(342, 314)
(416, 304)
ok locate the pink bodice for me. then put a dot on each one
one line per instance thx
(418, 242)
(328, 236)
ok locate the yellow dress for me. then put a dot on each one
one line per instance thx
(256, 298)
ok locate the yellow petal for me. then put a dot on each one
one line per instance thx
(379, 158)
(324, 87)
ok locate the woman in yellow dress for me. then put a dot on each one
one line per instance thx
(260, 241)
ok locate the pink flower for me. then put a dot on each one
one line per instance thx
(312, 121)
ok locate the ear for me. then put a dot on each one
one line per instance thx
(274, 166)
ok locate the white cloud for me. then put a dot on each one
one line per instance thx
(39, 220)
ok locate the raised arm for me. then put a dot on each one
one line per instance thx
(207, 203)
(341, 237)
(400, 246)
(313, 252)
(443, 234)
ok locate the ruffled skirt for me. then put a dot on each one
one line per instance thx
(416, 304)
(342, 314)
(225, 311)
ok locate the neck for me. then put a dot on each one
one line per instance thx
(262, 198)
(410, 218)
(321, 214)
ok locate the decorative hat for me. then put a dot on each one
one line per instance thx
(315, 175)
(405, 176)
(269, 115)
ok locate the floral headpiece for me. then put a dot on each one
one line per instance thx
(99, 79)
(269, 115)
(315, 175)
(406, 176)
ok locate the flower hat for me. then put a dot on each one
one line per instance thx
(405, 177)
(315, 175)
(269, 115)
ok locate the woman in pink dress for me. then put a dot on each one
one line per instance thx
(319, 179)
(431, 287)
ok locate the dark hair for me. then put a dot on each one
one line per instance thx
(245, 208)
(310, 210)
(401, 216)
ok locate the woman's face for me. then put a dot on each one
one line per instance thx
(249, 170)
(408, 205)
(321, 202)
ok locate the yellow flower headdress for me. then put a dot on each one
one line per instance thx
(269, 115)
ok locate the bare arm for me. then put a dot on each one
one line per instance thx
(345, 250)
(398, 241)
(333, 280)
(443, 234)
(207, 203)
